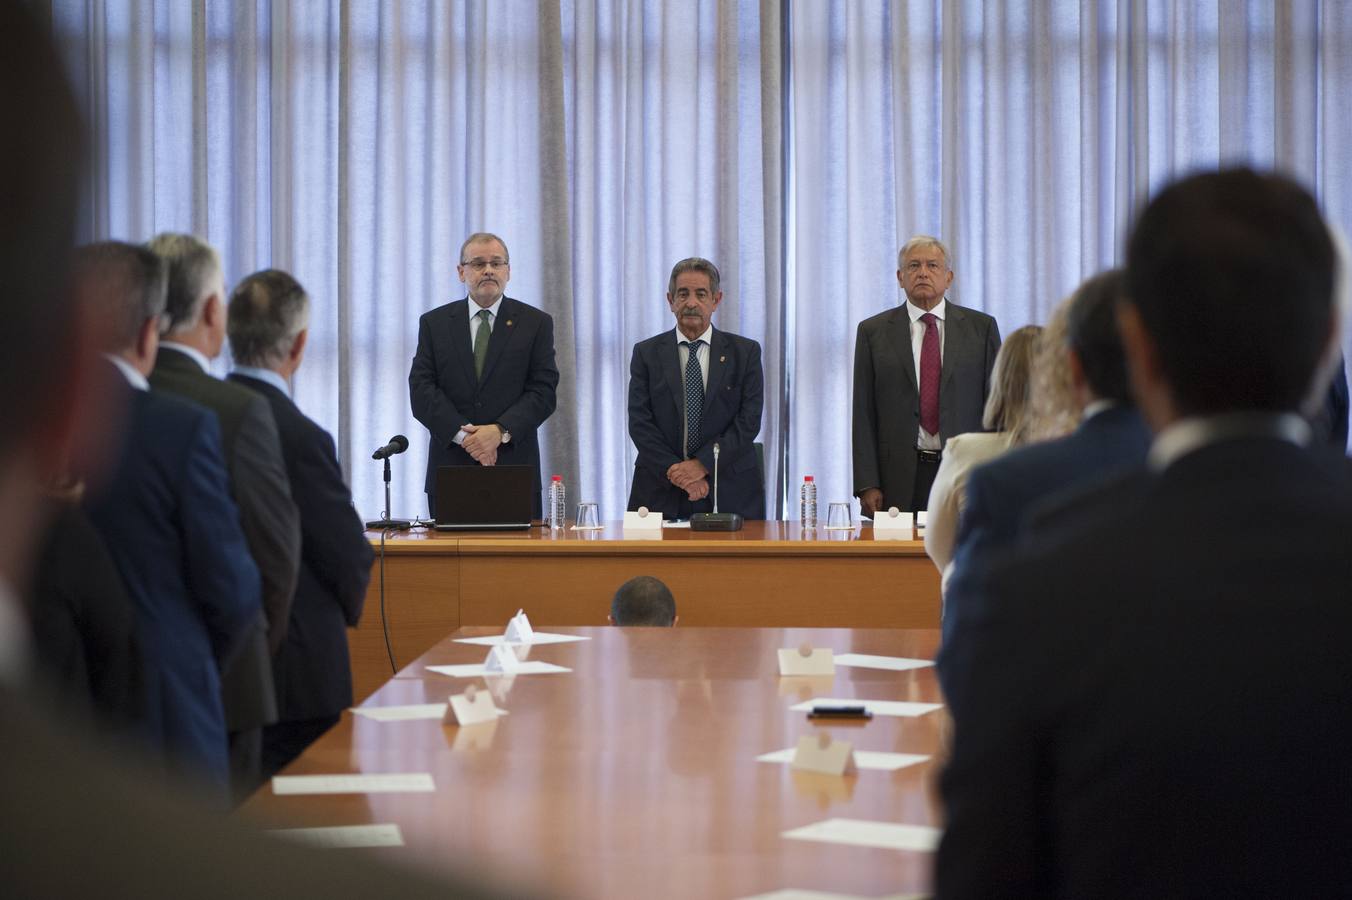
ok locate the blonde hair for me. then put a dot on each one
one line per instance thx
(1054, 410)
(1007, 406)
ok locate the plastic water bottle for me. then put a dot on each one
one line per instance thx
(558, 504)
(807, 503)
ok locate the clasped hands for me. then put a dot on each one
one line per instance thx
(691, 477)
(481, 442)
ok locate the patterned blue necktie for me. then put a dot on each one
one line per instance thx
(694, 396)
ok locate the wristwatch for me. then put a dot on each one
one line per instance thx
(506, 435)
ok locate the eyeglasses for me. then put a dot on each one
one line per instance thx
(479, 265)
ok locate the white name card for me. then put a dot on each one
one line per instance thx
(519, 630)
(501, 659)
(921, 520)
(643, 521)
(471, 708)
(804, 660)
(822, 754)
(893, 525)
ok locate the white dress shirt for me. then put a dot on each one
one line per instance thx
(703, 356)
(925, 440)
(265, 375)
(134, 377)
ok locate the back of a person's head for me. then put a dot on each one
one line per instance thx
(192, 265)
(1007, 405)
(40, 152)
(267, 311)
(1091, 332)
(644, 600)
(123, 286)
(1232, 274)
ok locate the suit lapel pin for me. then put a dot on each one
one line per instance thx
(509, 323)
(722, 359)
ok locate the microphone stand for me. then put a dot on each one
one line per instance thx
(385, 522)
(716, 521)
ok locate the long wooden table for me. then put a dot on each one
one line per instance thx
(768, 574)
(635, 775)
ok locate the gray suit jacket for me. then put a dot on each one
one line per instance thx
(886, 418)
(271, 522)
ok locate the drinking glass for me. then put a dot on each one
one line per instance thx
(588, 517)
(838, 517)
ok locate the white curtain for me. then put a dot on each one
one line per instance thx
(797, 144)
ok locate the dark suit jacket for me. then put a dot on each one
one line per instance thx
(886, 420)
(167, 519)
(1331, 421)
(258, 482)
(84, 624)
(312, 670)
(516, 390)
(1155, 703)
(732, 416)
(1001, 493)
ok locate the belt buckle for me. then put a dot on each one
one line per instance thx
(929, 455)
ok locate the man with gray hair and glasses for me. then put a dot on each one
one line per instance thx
(268, 325)
(483, 376)
(921, 375)
(193, 336)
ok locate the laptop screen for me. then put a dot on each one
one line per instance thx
(471, 497)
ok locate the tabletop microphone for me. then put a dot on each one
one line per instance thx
(397, 444)
(716, 521)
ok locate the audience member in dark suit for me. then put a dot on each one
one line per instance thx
(193, 336)
(1153, 702)
(167, 519)
(902, 417)
(268, 318)
(680, 407)
(483, 377)
(1111, 438)
(1330, 420)
(84, 624)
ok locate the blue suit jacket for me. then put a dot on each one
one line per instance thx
(166, 516)
(516, 389)
(1001, 493)
(312, 670)
(733, 399)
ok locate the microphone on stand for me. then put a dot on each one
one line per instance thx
(716, 521)
(397, 444)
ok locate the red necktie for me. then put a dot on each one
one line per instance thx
(929, 375)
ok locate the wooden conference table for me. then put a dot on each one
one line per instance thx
(767, 574)
(635, 775)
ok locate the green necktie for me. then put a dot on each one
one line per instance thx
(481, 343)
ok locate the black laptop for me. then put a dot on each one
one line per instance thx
(477, 498)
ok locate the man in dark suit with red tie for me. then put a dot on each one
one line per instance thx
(483, 376)
(921, 375)
(268, 326)
(691, 389)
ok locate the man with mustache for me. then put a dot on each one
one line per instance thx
(483, 376)
(921, 375)
(689, 390)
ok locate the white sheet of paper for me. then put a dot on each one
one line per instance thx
(343, 837)
(519, 630)
(863, 833)
(540, 637)
(399, 783)
(473, 670)
(893, 663)
(820, 661)
(401, 713)
(685, 524)
(864, 759)
(877, 707)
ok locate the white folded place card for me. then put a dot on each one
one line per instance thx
(643, 521)
(471, 708)
(536, 638)
(864, 759)
(501, 659)
(892, 663)
(863, 833)
(518, 629)
(877, 707)
(399, 783)
(804, 660)
(476, 670)
(893, 525)
(343, 837)
(476, 737)
(819, 753)
(921, 520)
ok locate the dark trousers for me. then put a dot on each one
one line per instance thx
(245, 758)
(284, 741)
(926, 467)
